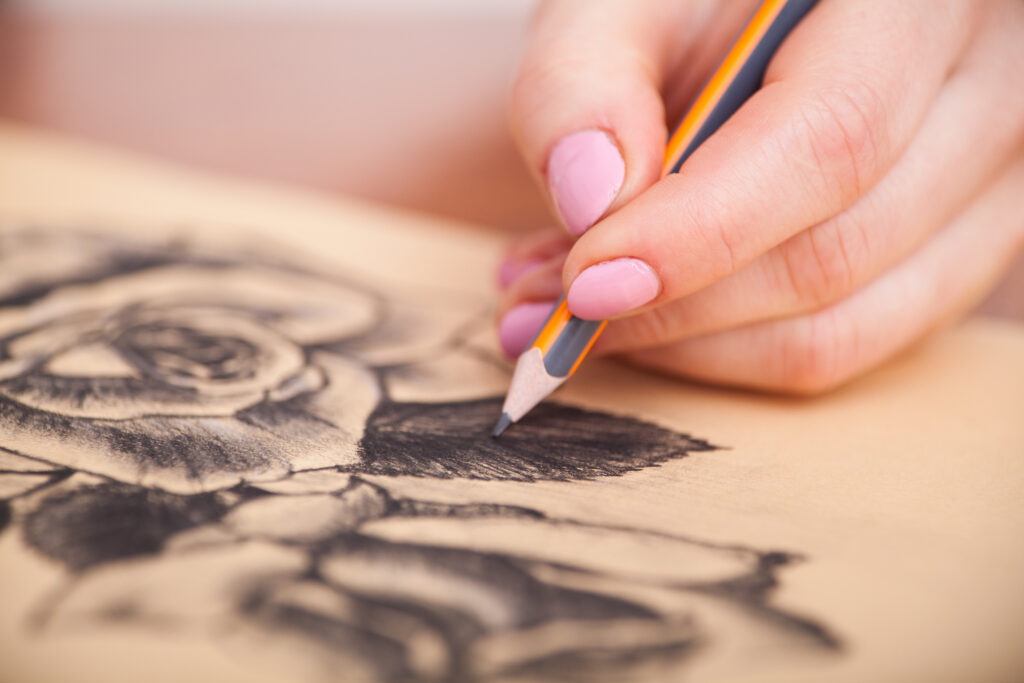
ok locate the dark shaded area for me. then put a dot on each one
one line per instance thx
(752, 591)
(96, 524)
(5, 515)
(533, 601)
(424, 508)
(337, 635)
(117, 263)
(169, 442)
(170, 349)
(554, 441)
(42, 387)
(378, 626)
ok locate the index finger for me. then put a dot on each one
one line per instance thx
(841, 100)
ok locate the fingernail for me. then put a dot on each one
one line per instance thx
(521, 324)
(611, 288)
(585, 171)
(510, 270)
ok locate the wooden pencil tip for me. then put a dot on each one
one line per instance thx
(503, 422)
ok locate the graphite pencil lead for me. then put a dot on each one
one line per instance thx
(503, 422)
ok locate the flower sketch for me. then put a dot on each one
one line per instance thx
(230, 430)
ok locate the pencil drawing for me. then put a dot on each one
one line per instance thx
(560, 442)
(228, 432)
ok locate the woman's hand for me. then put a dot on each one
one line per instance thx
(870, 191)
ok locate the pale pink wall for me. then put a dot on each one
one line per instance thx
(404, 110)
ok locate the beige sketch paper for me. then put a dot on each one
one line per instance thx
(244, 436)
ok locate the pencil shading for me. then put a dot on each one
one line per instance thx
(214, 442)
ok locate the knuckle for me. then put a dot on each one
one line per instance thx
(649, 329)
(566, 92)
(536, 83)
(822, 264)
(819, 354)
(542, 283)
(844, 126)
(544, 84)
(728, 249)
(716, 227)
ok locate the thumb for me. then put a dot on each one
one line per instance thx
(586, 111)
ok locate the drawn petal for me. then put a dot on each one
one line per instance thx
(554, 441)
(185, 454)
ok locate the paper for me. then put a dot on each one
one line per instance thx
(244, 436)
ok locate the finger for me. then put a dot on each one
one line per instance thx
(520, 325)
(525, 306)
(959, 148)
(543, 283)
(833, 117)
(528, 252)
(586, 108)
(816, 352)
(540, 245)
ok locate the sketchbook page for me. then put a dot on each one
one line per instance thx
(244, 436)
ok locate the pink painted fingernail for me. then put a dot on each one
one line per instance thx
(510, 270)
(585, 172)
(611, 288)
(521, 324)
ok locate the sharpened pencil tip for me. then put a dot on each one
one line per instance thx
(503, 422)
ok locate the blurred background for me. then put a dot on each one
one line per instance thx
(396, 101)
(400, 101)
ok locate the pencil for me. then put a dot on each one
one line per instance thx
(564, 340)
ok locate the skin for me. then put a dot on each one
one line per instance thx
(868, 194)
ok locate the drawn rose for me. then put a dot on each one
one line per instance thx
(366, 578)
(179, 370)
(185, 373)
(162, 376)
(214, 346)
